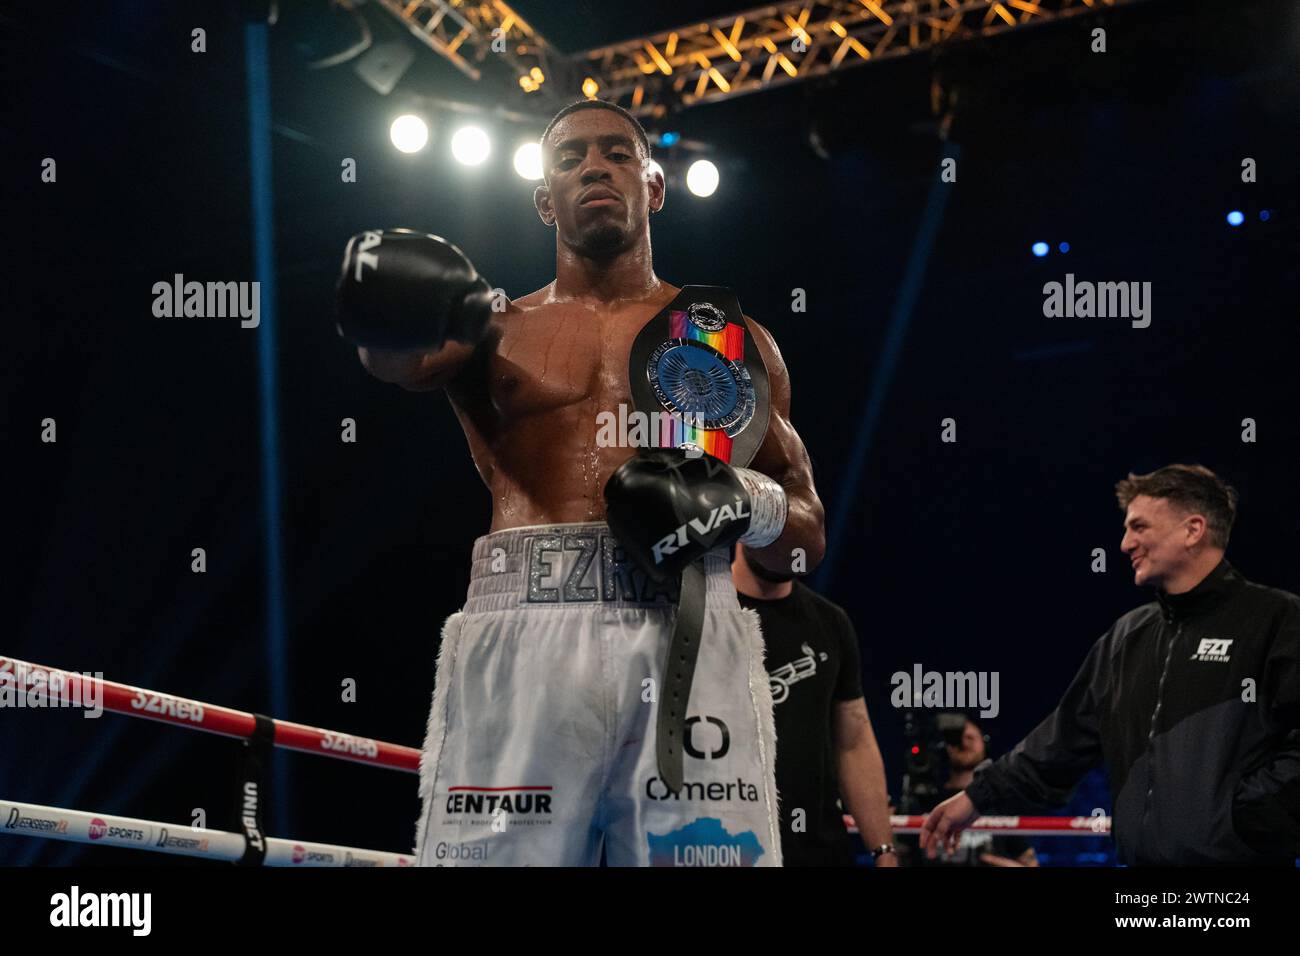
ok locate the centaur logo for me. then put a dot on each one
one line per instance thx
(723, 514)
(1212, 649)
(534, 802)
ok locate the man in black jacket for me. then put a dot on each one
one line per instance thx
(1193, 700)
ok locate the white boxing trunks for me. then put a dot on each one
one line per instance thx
(540, 747)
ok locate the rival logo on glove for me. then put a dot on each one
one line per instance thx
(717, 517)
(369, 239)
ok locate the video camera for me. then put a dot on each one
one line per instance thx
(927, 738)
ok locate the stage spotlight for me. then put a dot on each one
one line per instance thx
(1064, 247)
(470, 145)
(667, 140)
(702, 178)
(528, 161)
(1235, 218)
(1263, 215)
(409, 133)
(1039, 249)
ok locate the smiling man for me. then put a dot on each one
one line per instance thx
(1192, 700)
(557, 733)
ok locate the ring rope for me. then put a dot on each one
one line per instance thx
(79, 826)
(197, 715)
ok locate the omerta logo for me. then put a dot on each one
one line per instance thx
(715, 791)
(689, 743)
(1212, 649)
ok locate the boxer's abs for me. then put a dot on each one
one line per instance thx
(550, 471)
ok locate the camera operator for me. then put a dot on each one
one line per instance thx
(968, 751)
(966, 747)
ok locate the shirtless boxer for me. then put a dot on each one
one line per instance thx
(540, 746)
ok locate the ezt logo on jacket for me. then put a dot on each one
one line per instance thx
(1212, 649)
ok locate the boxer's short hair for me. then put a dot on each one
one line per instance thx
(632, 121)
(1193, 489)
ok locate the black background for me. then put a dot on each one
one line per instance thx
(967, 556)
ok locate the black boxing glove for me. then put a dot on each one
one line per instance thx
(667, 508)
(401, 289)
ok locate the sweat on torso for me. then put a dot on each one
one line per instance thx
(529, 404)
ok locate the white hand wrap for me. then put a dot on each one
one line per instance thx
(768, 508)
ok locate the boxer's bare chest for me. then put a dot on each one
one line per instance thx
(554, 356)
(552, 368)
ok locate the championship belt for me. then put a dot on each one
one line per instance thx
(697, 362)
(698, 366)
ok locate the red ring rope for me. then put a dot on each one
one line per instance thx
(196, 715)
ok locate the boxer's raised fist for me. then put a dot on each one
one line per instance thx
(401, 289)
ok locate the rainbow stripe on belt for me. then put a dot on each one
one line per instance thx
(731, 343)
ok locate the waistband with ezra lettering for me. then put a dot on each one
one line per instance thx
(568, 565)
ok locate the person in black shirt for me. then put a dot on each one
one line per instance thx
(1192, 700)
(825, 746)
